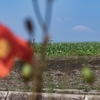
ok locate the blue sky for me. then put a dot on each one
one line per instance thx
(72, 20)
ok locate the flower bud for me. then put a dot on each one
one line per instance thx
(27, 72)
(88, 75)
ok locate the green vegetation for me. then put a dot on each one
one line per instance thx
(71, 49)
(61, 74)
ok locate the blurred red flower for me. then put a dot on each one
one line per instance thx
(12, 46)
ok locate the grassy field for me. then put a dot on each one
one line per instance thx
(74, 55)
(71, 49)
(74, 79)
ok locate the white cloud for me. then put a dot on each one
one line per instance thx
(68, 18)
(60, 20)
(81, 28)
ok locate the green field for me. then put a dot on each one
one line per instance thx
(90, 50)
(70, 49)
(60, 73)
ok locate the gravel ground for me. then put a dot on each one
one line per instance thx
(56, 75)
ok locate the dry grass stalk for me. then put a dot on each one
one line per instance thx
(38, 70)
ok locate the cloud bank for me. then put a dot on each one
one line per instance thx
(81, 28)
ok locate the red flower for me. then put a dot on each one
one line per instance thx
(12, 46)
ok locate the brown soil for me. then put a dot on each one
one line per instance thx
(59, 73)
